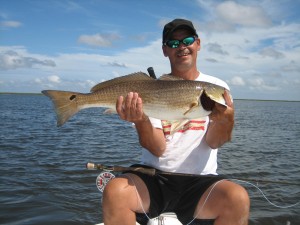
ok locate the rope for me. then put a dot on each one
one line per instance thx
(138, 196)
(265, 197)
(206, 199)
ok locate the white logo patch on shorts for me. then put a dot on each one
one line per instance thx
(102, 179)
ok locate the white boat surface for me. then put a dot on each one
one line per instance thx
(163, 219)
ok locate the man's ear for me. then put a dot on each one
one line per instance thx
(199, 44)
(164, 50)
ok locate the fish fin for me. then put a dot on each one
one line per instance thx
(192, 106)
(65, 104)
(109, 111)
(177, 125)
(131, 77)
(169, 77)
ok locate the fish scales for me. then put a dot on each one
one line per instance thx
(162, 99)
(156, 92)
(172, 93)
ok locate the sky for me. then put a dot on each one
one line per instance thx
(253, 45)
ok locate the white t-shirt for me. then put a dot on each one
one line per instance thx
(186, 150)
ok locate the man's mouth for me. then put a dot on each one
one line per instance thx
(181, 54)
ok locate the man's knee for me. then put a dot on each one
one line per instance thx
(235, 205)
(240, 195)
(237, 197)
(113, 191)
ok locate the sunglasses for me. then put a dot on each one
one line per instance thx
(175, 43)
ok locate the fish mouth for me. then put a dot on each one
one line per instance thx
(206, 102)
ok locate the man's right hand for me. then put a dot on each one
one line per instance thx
(130, 108)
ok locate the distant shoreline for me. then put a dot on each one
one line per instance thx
(25, 93)
(19, 93)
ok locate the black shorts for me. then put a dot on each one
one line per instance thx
(176, 193)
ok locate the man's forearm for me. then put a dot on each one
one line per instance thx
(151, 138)
(219, 132)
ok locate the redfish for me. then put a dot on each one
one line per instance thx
(165, 99)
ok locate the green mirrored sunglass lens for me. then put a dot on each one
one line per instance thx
(173, 43)
(188, 40)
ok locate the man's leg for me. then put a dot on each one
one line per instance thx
(121, 200)
(228, 203)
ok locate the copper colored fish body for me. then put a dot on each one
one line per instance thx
(162, 99)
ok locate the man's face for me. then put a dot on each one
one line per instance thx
(183, 57)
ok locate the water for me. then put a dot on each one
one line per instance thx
(44, 180)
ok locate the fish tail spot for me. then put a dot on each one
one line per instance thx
(72, 97)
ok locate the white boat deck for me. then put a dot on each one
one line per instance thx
(163, 219)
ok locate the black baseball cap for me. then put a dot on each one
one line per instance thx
(170, 27)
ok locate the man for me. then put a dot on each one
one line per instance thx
(190, 150)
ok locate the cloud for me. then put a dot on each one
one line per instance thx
(14, 60)
(215, 26)
(216, 48)
(56, 82)
(38, 81)
(162, 22)
(291, 67)
(10, 23)
(117, 64)
(270, 52)
(71, 6)
(54, 79)
(229, 16)
(98, 40)
(257, 83)
(237, 81)
(235, 13)
(211, 60)
(90, 83)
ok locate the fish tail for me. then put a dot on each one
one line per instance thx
(65, 104)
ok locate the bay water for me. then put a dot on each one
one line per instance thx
(44, 181)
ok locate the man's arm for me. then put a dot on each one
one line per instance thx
(221, 123)
(131, 109)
